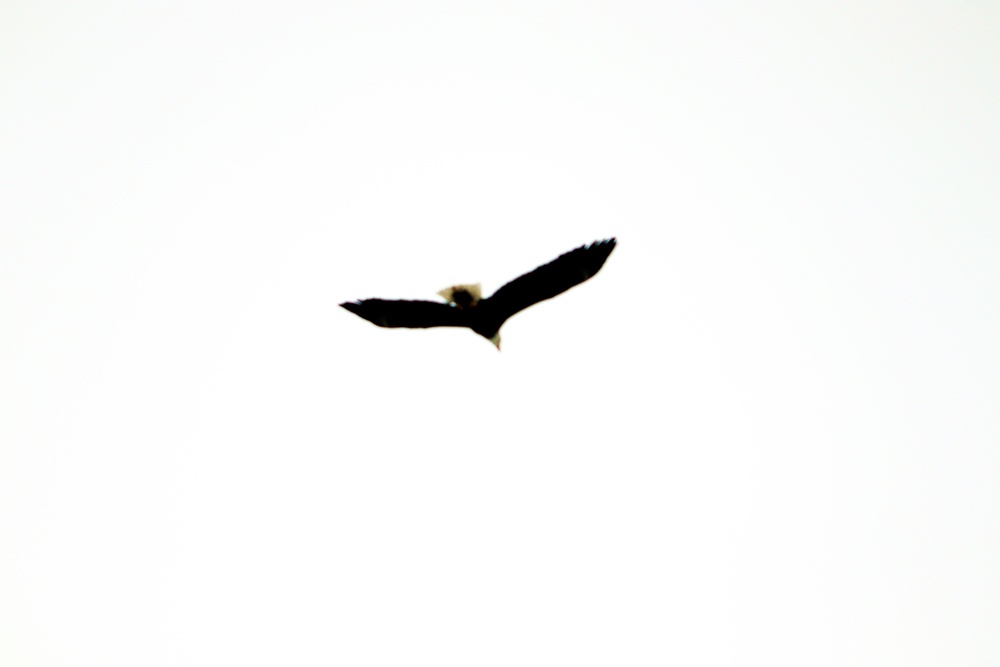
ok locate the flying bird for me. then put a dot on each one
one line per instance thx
(465, 307)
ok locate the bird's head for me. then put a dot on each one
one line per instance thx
(495, 339)
(462, 296)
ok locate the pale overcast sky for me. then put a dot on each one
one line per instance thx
(766, 433)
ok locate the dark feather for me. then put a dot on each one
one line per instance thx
(549, 280)
(408, 314)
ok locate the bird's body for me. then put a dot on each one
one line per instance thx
(465, 306)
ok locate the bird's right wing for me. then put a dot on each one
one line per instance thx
(549, 280)
(406, 314)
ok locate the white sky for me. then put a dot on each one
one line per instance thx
(765, 434)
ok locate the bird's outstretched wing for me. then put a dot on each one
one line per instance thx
(408, 314)
(549, 280)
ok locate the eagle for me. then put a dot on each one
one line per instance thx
(465, 306)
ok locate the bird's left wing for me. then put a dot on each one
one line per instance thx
(406, 314)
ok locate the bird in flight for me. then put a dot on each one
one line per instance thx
(465, 306)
